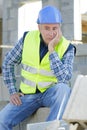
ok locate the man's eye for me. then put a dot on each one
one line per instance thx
(54, 28)
(47, 28)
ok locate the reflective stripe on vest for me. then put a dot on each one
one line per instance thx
(29, 69)
(35, 71)
(33, 84)
(28, 82)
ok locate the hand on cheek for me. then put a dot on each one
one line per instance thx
(54, 41)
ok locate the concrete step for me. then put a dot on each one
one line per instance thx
(4, 94)
(2, 104)
(76, 109)
(50, 125)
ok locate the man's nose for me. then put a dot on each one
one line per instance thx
(51, 33)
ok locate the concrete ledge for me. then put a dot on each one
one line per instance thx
(76, 109)
(75, 126)
(39, 116)
(2, 104)
(81, 49)
(51, 125)
(4, 94)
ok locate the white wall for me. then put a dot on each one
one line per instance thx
(27, 16)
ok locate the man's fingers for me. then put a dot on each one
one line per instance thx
(20, 94)
(15, 99)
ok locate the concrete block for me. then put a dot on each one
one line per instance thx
(50, 125)
(17, 127)
(0, 92)
(2, 104)
(67, 5)
(4, 95)
(81, 50)
(83, 68)
(8, 4)
(11, 24)
(75, 126)
(74, 77)
(42, 114)
(76, 109)
(39, 116)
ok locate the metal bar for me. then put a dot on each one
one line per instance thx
(6, 46)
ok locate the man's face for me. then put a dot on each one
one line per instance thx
(48, 31)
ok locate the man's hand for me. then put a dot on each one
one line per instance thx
(15, 98)
(54, 41)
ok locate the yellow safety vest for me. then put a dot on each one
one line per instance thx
(35, 73)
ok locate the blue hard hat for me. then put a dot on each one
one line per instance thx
(49, 15)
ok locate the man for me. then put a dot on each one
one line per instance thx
(46, 58)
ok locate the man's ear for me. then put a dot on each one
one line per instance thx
(39, 27)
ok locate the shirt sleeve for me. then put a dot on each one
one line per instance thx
(62, 69)
(12, 58)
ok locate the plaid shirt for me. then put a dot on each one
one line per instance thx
(62, 68)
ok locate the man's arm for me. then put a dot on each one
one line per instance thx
(12, 58)
(62, 68)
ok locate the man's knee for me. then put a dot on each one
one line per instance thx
(65, 88)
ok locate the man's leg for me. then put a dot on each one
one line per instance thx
(12, 115)
(56, 98)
